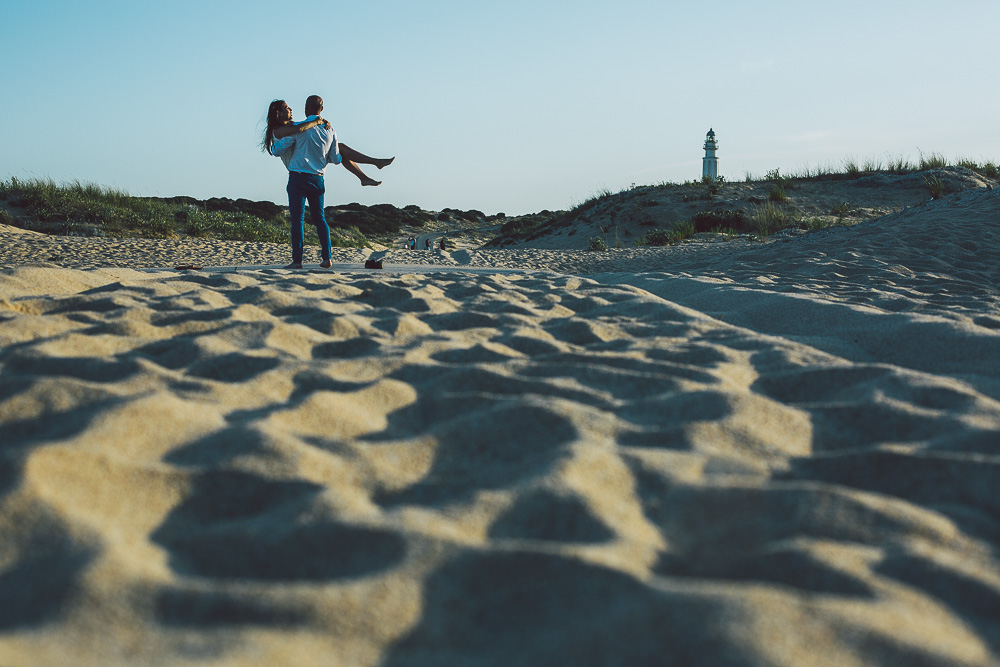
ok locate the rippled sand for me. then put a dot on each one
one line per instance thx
(778, 454)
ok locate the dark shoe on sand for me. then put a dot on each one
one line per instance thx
(325, 264)
(294, 265)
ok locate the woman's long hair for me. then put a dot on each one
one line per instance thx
(272, 122)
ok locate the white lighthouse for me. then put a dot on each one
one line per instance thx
(710, 163)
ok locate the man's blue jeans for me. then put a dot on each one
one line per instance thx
(302, 187)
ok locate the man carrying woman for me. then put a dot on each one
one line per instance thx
(306, 149)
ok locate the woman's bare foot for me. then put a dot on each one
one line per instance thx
(367, 180)
(383, 162)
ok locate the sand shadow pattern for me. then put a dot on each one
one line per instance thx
(398, 296)
(764, 533)
(663, 421)
(201, 609)
(43, 578)
(233, 367)
(555, 610)
(626, 379)
(89, 369)
(347, 349)
(863, 405)
(484, 383)
(240, 526)
(510, 398)
(784, 565)
(975, 599)
(962, 487)
(20, 435)
(493, 447)
(551, 517)
(173, 353)
(221, 448)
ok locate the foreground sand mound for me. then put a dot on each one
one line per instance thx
(941, 256)
(709, 454)
(268, 467)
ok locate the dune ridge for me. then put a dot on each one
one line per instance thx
(709, 454)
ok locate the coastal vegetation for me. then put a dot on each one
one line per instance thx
(851, 167)
(643, 215)
(80, 209)
(676, 233)
(759, 206)
(598, 244)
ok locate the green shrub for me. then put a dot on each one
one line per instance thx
(783, 182)
(528, 227)
(987, 169)
(347, 238)
(6, 218)
(814, 224)
(471, 215)
(591, 202)
(711, 186)
(89, 209)
(708, 221)
(377, 220)
(519, 226)
(233, 226)
(777, 194)
(872, 165)
(259, 209)
(597, 243)
(901, 165)
(934, 185)
(677, 232)
(840, 209)
(657, 237)
(684, 229)
(932, 161)
(768, 218)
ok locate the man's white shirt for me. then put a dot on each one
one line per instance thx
(309, 151)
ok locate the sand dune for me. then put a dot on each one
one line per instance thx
(711, 454)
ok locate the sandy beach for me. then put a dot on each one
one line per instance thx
(716, 453)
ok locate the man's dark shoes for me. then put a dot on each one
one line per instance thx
(294, 265)
(326, 264)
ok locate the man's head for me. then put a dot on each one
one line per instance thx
(314, 105)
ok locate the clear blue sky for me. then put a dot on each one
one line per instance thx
(516, 106)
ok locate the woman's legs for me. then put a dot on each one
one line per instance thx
(351, 158)
(365, 179)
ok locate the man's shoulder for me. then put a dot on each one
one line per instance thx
(321, 131)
